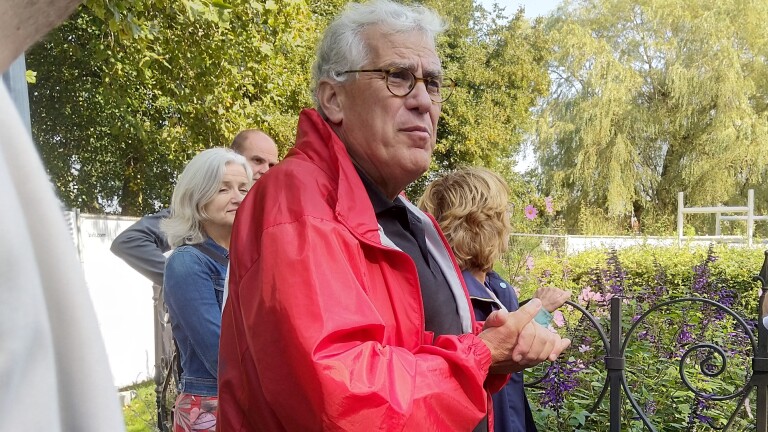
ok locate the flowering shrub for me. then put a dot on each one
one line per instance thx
(532, 214)
(535, 214)
(660, 341)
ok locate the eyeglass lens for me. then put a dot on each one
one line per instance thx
(402, 81)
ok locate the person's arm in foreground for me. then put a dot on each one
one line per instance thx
(342, 358)
(142, 245)
(53, 365)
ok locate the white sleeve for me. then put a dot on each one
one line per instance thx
(226, 290)
(53, 364)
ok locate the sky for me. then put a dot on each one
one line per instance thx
(533, 8)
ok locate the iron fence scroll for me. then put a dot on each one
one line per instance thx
(708, 359)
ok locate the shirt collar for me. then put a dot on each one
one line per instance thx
(378, 200)
(217, 247)
(474, 286)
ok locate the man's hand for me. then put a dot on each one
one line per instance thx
(516, 342)
(551, 297)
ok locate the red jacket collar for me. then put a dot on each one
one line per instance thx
(319, 143)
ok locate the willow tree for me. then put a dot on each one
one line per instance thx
(653, 97)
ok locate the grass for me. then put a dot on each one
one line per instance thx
(141, 414)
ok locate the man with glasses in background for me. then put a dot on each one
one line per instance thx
(346, 308)
(142, 245)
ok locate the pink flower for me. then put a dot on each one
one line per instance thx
(531, 212)
(549, 203)
(588, 295)
(529, 263)
(558, 318)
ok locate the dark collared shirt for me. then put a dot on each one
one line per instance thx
(404, 228)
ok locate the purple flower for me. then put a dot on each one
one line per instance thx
(685, 336)
(616, 274)
(549, 204)
(650, 407)
(660, 288)
(646, 336)
(702, 285)
(560, 380)
(529, 263)
(704, 419)
(558, 318)
(696, 414)
(700, 279)
(531, 212)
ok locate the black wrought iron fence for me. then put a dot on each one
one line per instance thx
(709, 359)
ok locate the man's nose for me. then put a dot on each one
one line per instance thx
(419, 97)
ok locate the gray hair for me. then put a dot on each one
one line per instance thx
(197, 186)
(342, 46)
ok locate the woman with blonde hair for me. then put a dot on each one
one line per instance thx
(471, 205)
(203, 207)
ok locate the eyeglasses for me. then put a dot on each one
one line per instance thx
(401, 82)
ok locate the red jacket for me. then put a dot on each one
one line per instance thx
(324, 325)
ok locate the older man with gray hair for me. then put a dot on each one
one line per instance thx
(347, 310)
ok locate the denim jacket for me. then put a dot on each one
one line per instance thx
(194, 287)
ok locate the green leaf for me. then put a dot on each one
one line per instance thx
(220, 4)
(31, 76)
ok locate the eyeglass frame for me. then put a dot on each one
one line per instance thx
(416, 80)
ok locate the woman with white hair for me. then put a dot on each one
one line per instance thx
(203, 207)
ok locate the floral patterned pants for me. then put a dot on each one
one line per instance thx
(195, 413)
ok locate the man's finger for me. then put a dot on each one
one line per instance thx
(496, 319)
(564, 343)
(526, 312)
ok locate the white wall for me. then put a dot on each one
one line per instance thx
(121, 297)
(571, 244)
(577, 244)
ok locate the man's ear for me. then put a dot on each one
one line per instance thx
(330, 101)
